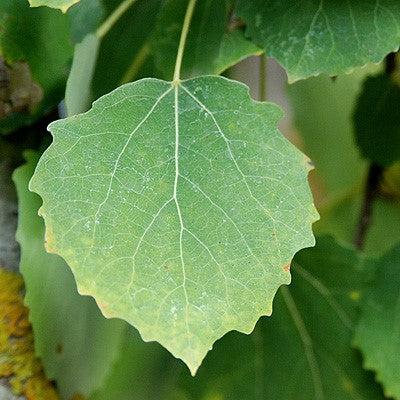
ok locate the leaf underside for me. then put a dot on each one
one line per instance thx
(178, 207)
(314, 36)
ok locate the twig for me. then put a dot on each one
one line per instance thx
(372, 186)
(375, 173)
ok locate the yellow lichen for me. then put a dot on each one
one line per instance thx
(17, 358)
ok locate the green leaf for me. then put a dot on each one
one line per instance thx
(121, 64)
(24, 37)
(85, 18)
(63, 5)
(211, 47)
(138, 373)
(234, 47)
(313, 37)
(377, 333)
(377, 120)
(304, 350)
(178, 207)
(76, 344)
(78, 94)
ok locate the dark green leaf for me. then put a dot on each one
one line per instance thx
(314, 36)
(85, 18)
(124, 53)
(377, 120)
(211, 46)
(378, 331)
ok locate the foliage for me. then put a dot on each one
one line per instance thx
(314, 37)
(377, 331)
(181, 209)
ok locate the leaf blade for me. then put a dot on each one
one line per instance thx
(376, 333)
(62, 5)
(317, 37)
(196, 139)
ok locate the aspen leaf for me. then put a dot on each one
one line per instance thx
(314, 36)
(178, 207)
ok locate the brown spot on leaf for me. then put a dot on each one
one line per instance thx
(59, 348)
(286, 267)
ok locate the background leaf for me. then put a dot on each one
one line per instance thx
(24, 36)
(377, 120)
(185, 194)
(211, 47)
(140, 372)
(323, 112)
(78, 93)
(85, 17)
(119, 64)
(63, 5)
(76, 344)
(314, 37)
(377, 333)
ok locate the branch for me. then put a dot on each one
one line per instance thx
(375, 173)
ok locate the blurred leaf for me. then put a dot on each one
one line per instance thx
(323, 116)
(85, 18)
(126, 187)
(313, 37)
(141, 372)
(76, 343)
(340, 219)
(123, 47)
(78, 94)
(24, 36)
(63, 5)
(390, 185)
(234, 47)
(378, 331)
(210, 47)
(377, 120)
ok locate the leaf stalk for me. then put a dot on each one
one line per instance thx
(182, 41)
(106, 26)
